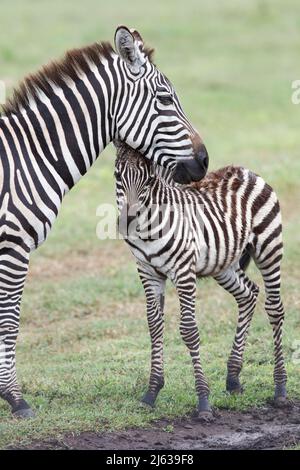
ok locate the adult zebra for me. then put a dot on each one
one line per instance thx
(51, 132)
(185, 232)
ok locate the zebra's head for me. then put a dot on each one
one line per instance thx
(132, 174)
(150, 118)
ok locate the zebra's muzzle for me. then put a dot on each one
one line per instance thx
(193, 169)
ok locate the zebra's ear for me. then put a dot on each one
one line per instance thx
(129, 46)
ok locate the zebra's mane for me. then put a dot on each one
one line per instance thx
(75, 62)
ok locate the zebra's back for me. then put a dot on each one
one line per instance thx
(237, 206)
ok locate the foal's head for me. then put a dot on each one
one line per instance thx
(133, 173)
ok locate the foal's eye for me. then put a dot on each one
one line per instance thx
(166, 100)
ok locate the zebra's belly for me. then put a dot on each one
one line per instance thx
(164, 256)
(211, 263)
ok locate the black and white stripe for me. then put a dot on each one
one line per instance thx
(183, 233)
(51, 132)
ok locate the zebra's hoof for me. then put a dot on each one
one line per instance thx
(205, 416)
(25, 413)
(282, 402)
(204, 409)
(233, 386)
(236, 391)
(21, 409)
(148, 400)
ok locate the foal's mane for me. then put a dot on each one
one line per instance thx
(71, 65)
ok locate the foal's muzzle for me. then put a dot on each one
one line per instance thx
(193, 169)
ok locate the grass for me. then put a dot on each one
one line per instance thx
(83, 350)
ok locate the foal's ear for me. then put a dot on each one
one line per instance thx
(129, 46)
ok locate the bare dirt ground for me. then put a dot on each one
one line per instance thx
(263, 428)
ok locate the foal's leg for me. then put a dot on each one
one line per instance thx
(13, 271)
(245, 293)
(186, 288)
(154, 286)
(268, 259)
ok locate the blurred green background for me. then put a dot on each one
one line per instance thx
(83, 351)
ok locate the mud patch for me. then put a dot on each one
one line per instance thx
(259, 428)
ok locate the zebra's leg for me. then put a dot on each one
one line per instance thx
(186, 288)
(268, 263)
(13, 271)
(245, 293)
(154, 286)
(248, 283)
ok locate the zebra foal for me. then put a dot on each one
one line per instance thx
(188, 232)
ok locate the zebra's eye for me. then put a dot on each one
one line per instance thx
(166, 100)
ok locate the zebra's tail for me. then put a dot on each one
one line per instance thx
(245, 259)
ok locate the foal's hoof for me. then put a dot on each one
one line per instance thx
(204, 412)
(205, 416)
(282, 402)
(236, 391)
(233, 386)
(24, 413)
(148, 400)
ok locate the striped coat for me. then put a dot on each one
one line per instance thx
(185, 233)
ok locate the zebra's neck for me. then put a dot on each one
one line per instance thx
(64, 127)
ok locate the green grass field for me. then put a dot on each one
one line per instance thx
(83, 351)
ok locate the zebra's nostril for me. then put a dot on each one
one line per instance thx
(205, 162)
(203, 157)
